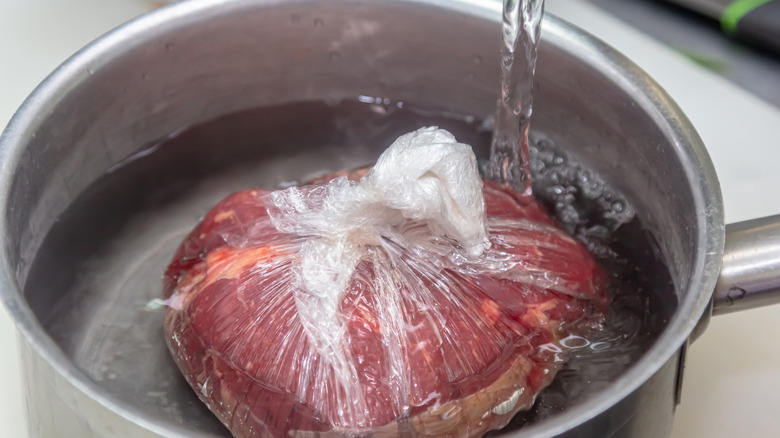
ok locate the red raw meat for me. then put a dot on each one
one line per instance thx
(473, 355)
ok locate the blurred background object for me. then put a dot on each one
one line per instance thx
(750, 59)
(754, 21)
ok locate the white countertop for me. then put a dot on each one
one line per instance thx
(732, 382)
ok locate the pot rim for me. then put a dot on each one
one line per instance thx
(688, 147)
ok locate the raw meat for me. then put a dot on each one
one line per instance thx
(460, 345)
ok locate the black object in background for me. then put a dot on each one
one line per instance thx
(753, 21)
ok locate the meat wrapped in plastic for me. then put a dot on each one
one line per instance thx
(410, 299)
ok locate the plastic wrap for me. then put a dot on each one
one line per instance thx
(411, 299)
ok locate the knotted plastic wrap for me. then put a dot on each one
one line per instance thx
(412, 299)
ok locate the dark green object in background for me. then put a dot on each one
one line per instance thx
(756, 21)
(753, 21)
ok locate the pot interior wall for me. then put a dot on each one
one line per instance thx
(123, 96)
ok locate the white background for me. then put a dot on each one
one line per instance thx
(732, 383)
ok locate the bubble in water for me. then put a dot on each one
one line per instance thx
(288, 184)
(295, 18)
(155, 304)
(169, 46)
(477, 59)
(579, 199)
(574, 342)
(334, 55)
(318, 22)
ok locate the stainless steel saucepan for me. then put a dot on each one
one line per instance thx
(198, 60)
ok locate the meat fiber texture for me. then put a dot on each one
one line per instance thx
(412, 299)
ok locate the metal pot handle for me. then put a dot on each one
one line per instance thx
(750, 276)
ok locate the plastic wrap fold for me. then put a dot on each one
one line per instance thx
(413, 299)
